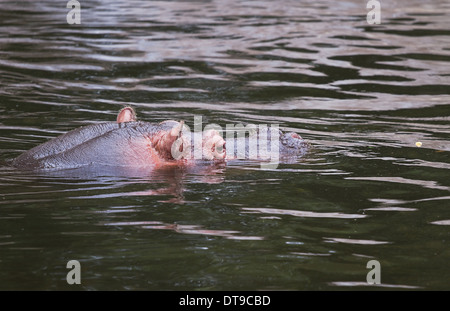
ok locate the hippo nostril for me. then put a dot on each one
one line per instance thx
(291, 140)
(295, 135)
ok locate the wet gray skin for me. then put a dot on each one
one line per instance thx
(136, 143)
(110, 143)
(260, 144)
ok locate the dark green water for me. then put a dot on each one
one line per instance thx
(362, 94)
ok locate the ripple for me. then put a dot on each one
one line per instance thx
(365, 284)
(298, 213)
(132, 223)
(356, 241)
(441, 222)
(424, 183)
(195, 229)
(50, 67)
(391, 209)
(311, 254)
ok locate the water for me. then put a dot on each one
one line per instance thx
(363, 95)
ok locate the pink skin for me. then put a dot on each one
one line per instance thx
(126, 114)
(213, 146)
(295, 135)
(172, 145)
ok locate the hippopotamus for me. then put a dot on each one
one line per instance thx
(128, 142)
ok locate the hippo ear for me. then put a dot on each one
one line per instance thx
(126, 114)
(291, 140)
(177, 130)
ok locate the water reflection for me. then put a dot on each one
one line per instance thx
(365, 284)
(355, 241)
(299, 55)
(441, 222)
(186, 229)
(391, 209)
(299, 213)
(110, 182)
(423, 183)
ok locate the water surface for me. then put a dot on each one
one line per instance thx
(362, 95)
